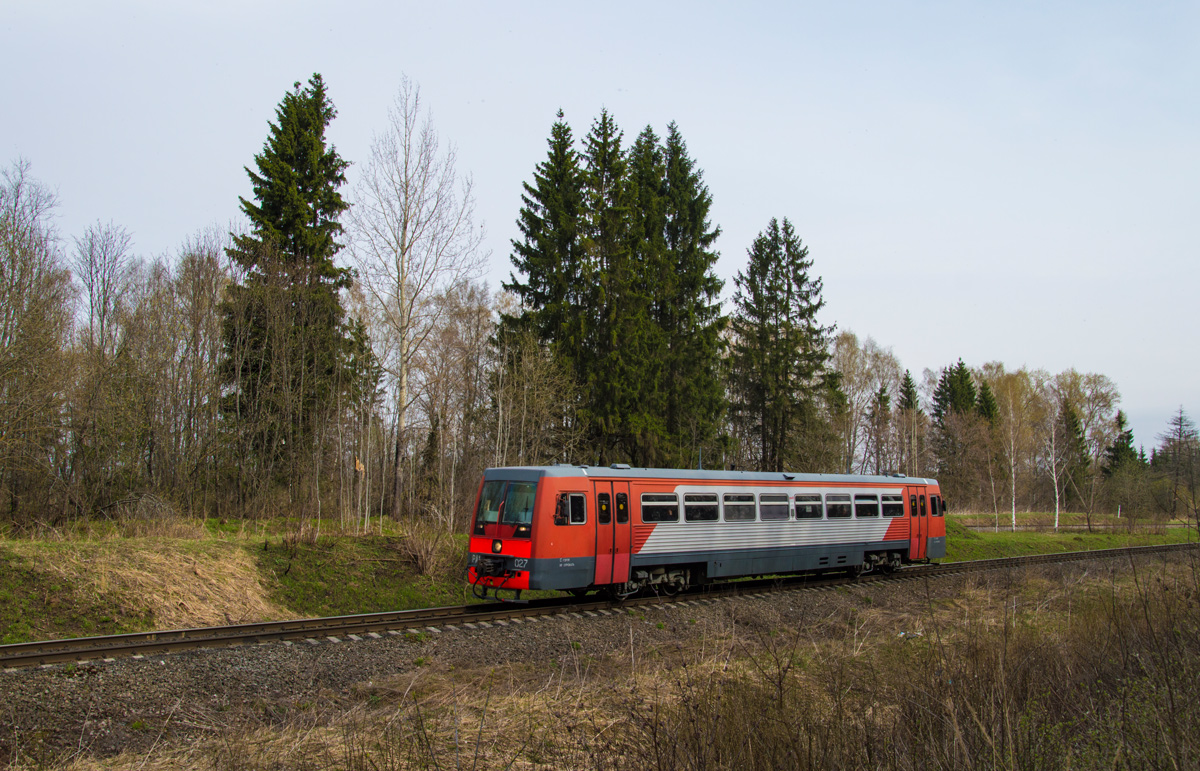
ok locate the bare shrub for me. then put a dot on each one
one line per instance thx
(150, 516)
(428, 549)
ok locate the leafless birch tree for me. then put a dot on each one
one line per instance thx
(413, 236)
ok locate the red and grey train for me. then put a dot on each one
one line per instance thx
(620, 529)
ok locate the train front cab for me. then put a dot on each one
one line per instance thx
(927, 523)
(534, 530)
(501, 545)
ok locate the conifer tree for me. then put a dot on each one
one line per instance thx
(879, 418)
(687, 303)
(643, 341)
(1121, 453)
(955, 393)
(550, 256)
(909, 400)
(779, 350)
(985, 404)
(614, 303)
(1075, 453)
(912, 422)
(960, 442)
(617, 280)
(284, 336)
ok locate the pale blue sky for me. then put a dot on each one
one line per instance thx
(991, 181)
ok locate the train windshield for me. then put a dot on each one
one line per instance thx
(505, 509)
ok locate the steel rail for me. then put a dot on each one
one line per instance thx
(49, 652)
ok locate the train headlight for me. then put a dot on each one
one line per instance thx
(497, 546)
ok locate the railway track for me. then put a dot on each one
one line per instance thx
(52, 652)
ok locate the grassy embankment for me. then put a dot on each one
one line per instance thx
(118, 579)
(106, 582)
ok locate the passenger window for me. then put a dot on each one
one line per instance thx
(660, 507)
(622, 508)
(866, 506)
(893, 506)
(912, 505)
(603, 509)
(578, 508)
(922, 505)
(739, 507)
(700, 507)
(837, 506)
(773, 506)
(936, 506)
(808, 507)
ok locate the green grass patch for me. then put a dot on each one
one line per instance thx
(343, 575)
(963, 544)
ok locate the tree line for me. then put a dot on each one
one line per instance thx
(338, 357)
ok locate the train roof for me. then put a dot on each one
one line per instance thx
(623, 471)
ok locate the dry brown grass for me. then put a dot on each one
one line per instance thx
(182, 584)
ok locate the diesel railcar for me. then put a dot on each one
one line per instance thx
(622, 530)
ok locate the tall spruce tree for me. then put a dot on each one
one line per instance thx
(779, 350)
(549, 255)
(615, 303)
(643, 342)
(283, 326)
(616, 278)
(687, 305)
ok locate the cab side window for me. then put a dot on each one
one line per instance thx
(571, 509)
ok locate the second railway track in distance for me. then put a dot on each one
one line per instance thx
(51, 652)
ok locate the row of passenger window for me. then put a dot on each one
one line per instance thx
(742, 507)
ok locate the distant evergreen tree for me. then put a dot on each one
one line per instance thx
(879, 419)
(1121, 453)
(955, 393)
(958, 441)
(284, 336)
(779, 350)
(909, 400)
(1075, 454)
(912, 425)
(985, 404)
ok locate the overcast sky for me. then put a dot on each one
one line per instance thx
(1015, 181)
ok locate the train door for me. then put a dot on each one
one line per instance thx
(918, 517)
(613, 532)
